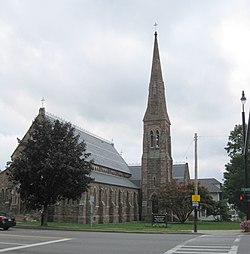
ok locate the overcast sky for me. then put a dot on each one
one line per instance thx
(91, 61)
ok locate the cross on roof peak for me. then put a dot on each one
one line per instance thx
(43, 100)
(155, 25)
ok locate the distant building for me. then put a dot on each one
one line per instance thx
(214, 188)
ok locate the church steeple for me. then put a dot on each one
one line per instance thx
(156, 157)
(156, 74)
(156, 108)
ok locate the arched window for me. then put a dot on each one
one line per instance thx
(157, 139)
(154, 181)
(151, 139)
(95, 196)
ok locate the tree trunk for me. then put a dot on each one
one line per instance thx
(44, 217)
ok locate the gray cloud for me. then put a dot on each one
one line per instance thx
(91, 61)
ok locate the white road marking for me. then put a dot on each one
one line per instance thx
(34, 245)
(237, 239)
(180, 246)
(216, 249)
(12, 243)
(233, 250)
(187, 248)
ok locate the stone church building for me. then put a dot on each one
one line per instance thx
(119, 193)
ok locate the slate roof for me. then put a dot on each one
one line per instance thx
(212, 184)
(136, 174)
(179, 171)
(103, 152)
(112, 180)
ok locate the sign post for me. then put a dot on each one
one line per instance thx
(195, 200)
(195, 182)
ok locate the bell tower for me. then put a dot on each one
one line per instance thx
(156, 157)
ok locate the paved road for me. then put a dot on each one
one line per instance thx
(31, 241)
(213, 244)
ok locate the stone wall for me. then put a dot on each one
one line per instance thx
(110, 204)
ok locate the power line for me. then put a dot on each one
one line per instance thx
(189, 146)
(214, 136)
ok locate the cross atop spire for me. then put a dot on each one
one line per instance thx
(155, 25)
(43, 100)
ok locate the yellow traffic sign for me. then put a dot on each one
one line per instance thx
(196, 198)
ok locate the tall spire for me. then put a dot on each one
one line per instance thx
(156, 109)
(156, 158)
(156, 74)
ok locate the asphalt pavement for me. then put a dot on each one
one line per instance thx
(36, 241)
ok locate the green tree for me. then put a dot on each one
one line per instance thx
(234, 175)
(235, 141)
(176, 198)
(220, 209)
(51, 165)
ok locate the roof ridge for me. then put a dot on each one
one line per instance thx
(80, 128)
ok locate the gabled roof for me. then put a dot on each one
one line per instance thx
(212, 184)
(102, 151)
(180, 172)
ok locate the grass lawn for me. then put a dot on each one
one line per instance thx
(139, 226)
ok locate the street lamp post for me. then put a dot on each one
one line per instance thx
(243, 101)
(247, 185)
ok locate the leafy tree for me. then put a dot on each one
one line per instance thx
(176, 198)
(234, 175)
(51, 165)
(220, 209)
(207, 203)
(235, 141)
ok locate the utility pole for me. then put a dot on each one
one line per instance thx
(195, 181)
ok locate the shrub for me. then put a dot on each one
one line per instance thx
(245, 225)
